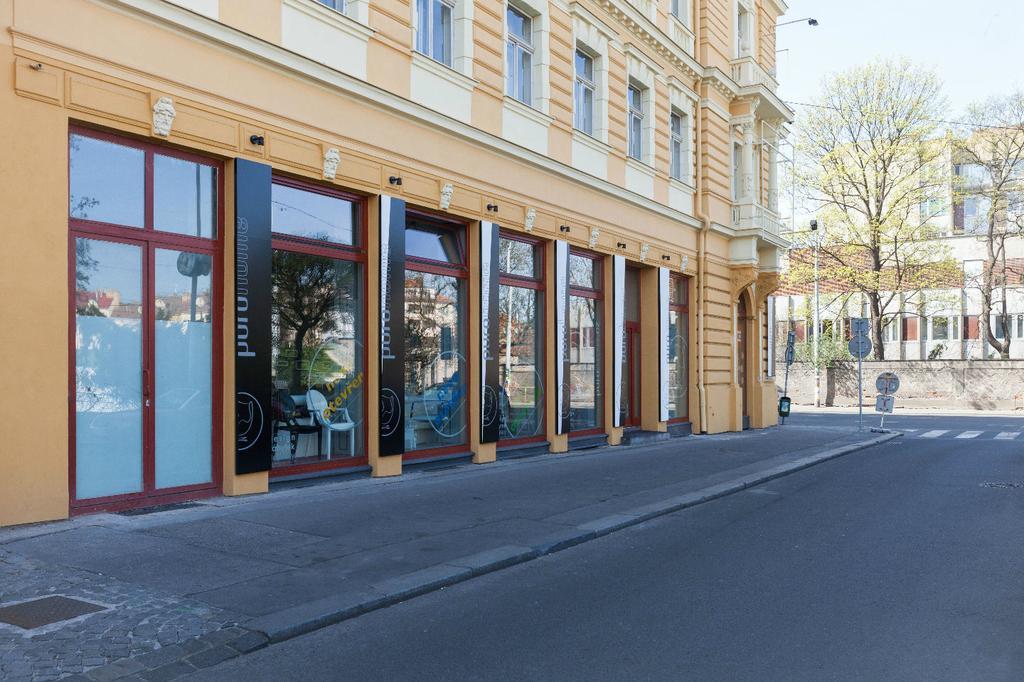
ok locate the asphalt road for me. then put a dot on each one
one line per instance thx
(905, 561)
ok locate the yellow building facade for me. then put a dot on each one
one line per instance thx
(260, 239)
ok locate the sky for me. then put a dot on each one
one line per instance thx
(973, 45)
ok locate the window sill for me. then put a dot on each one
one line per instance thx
(590, 141)
(332, 17)
(430, 64)
(682, 185)
(528, 111)
(640, 166)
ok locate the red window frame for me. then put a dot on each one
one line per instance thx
(461, 271)
(149, 239)
(683, 308)
(535, 283)
(351, 252)
(597, 294)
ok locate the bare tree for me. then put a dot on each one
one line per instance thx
(872, 162)
(990, 159)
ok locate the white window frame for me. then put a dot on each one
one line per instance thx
(336, 5)
(419, 41)
(743, 15)
(515, 80)
(582, 83)
(737, 171)
(678, 132)
(595, 38)
(635, 113)
(643, 73)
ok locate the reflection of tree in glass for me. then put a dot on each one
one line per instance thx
(516, 258)
(79, 205)
(85, 266)
(581, 271)
(428, 303)
(307, 290)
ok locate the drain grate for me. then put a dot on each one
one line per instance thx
(1003, 484)
(36, 613)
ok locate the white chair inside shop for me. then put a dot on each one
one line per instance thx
(317, 404)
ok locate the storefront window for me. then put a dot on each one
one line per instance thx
(678, 349)
(585, 347)
(435, 335)
(317, 329)
(184, 196)
(521, 340)
(107, 181)
(313, 215)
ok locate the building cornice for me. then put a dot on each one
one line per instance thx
(634, 20)
(175, 18)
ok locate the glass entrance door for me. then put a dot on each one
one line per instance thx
(109, 374)
(741, 353)
(631, 354)
(144, 340)
(631, 376)
(143, 377)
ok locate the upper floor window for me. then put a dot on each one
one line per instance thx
(583, 94)
(678, 161)
(338, 5)
(635, 122)
(737, 169)
(519, 55)
(434, 36)
(680, 10)
(744, 31)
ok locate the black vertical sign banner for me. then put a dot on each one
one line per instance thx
(253, 411)
(562, 383)
(392, 326)
(490, 412)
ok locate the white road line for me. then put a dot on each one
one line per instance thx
(910, 430)
(934, 434)
(1007, 435)
(970, 434)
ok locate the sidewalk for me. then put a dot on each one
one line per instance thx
(187, 588)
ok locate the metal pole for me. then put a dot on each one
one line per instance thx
(860, 392)
(817, 321)
(785, 388)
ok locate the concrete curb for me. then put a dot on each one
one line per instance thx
(306, 618)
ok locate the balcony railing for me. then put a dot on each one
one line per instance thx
(755, 216)
(746, 71)
(681, 34)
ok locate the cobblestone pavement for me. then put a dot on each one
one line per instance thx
(187, 588)
(137, 621)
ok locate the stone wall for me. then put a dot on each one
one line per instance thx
(966, 384)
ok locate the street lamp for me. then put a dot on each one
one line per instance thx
(810, 22)
(816, 244)
(817, 317)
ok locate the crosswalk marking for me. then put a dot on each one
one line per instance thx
(1007, 435)
(934, 434)
(969, 434)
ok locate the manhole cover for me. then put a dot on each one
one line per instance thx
(36, 613)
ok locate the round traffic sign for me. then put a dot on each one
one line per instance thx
(860, 346)
(887, 383)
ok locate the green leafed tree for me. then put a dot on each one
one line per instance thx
(989, 157)
(873, 166)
